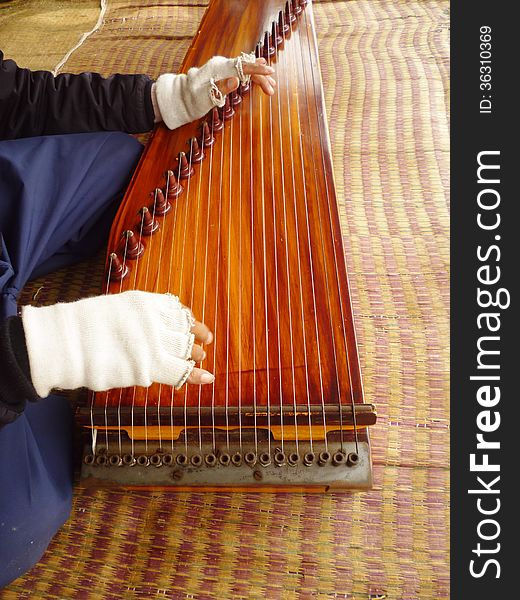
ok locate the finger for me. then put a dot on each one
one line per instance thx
(200, 377)
(263, 82)
(257, 69)
(227, 86)
(197, 353)
(202, 333)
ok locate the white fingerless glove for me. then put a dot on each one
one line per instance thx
(118, 340)
(183, 98)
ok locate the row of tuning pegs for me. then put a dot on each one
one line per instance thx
(131, 245)
(279, 28)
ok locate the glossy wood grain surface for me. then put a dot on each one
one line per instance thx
(253, 243)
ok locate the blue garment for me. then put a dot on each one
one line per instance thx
(58, 195)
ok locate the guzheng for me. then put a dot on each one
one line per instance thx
(236, 214)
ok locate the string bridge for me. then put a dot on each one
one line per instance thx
(291, 423)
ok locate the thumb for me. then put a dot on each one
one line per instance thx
(227, 85)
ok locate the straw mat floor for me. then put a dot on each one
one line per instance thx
(385, 68)
(38, 33)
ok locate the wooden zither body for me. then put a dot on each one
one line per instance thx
(240, 221)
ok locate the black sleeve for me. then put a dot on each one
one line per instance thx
(36, 103)
(15, 376)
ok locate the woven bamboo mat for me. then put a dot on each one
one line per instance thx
(385, 69)
(38, 33)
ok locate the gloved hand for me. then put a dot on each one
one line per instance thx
(180, 99)
(118, 340)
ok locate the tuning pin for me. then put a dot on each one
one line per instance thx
(148, 224)
(283, 25)
(296, 8)
(268, 46)
(206, 139)
(185, 170)
(173, 187)
(132, 246)
(116, 269)
(244, 88)
(235, 98)
(227, 110)
(290, 17)
(160, 204)
(216, 123)
(196, 152)
(275, 35)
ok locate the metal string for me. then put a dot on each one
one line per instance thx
(195, 245)
(260, 96)
(121, 389)
(240, 283)
(277, 55)
(287, 57)
(322, 249)
(147, 271)
(169, 288)
(229, 273)
(274, 202)
(206, 267)
(310, 245)
(170, 270)
(253, 262)
(107, 394)
(93, 430)
(92, 427)
(181, 280)
(156, 289)
(217, 288)
(137, 262)
(340, 295)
